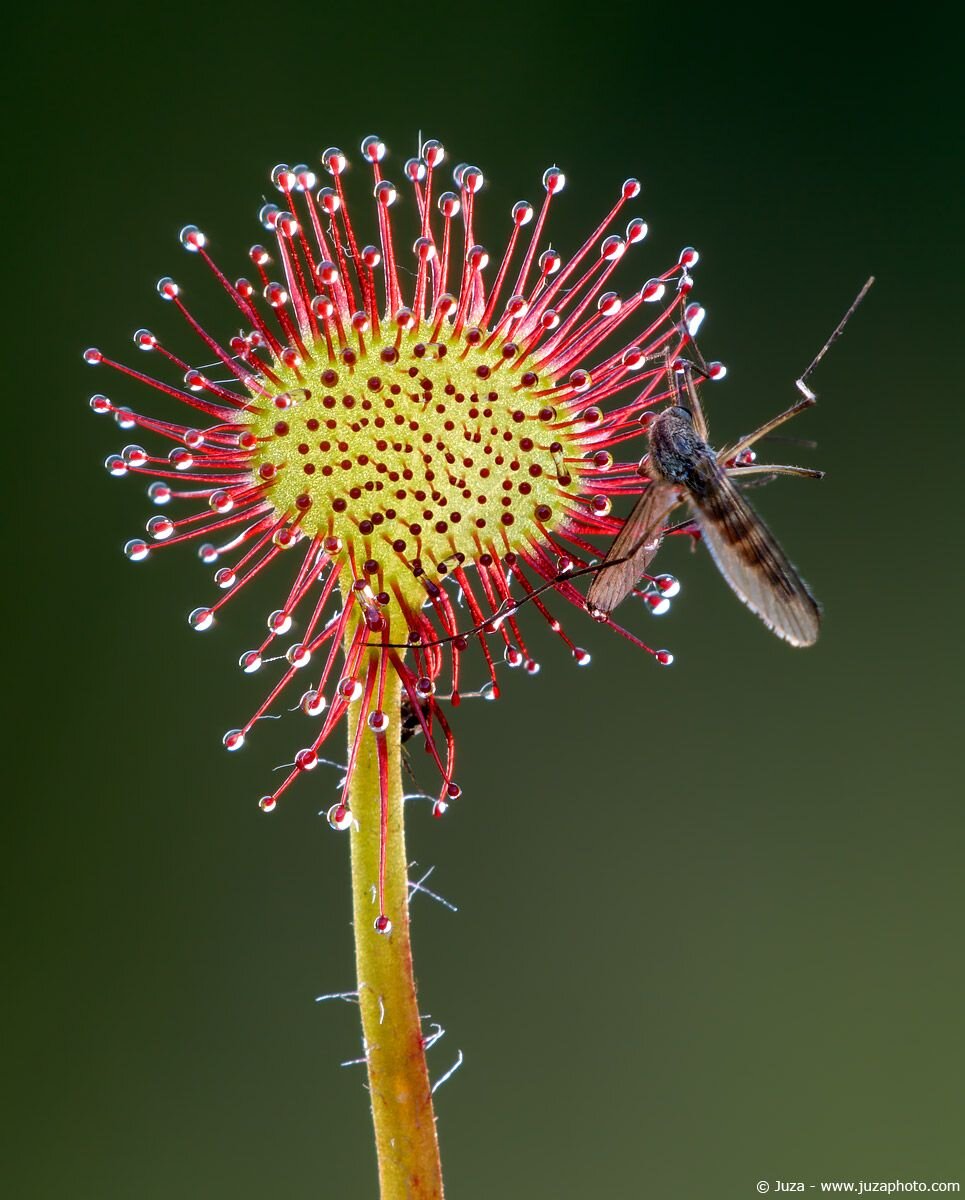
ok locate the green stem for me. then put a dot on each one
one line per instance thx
(405, 1127)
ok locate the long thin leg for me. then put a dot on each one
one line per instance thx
(750, 438)
(769, 469)
(701, 364)
(696, 410)
(790, 440)
(839, 329)
(672, 388)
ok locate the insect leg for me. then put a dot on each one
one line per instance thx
(701, 365)
(839, 329)
(696, 411)
(738, 473)
(749, 439)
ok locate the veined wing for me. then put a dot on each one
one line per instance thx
(634, 546)
(755, 566)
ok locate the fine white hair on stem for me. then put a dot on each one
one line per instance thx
(448, 1074)
(418, 885)
(429, 1041)
(354, 1062)
(437, 1032)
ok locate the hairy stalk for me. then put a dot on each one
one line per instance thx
(405, 1128)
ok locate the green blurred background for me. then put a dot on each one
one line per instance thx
(710, 917)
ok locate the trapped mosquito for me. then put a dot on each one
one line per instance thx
(684, 469)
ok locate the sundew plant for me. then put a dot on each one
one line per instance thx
(422, 441)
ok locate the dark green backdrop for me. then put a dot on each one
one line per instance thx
(710, 918)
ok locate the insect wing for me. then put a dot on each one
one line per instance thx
(633, 548)
(755, 566)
